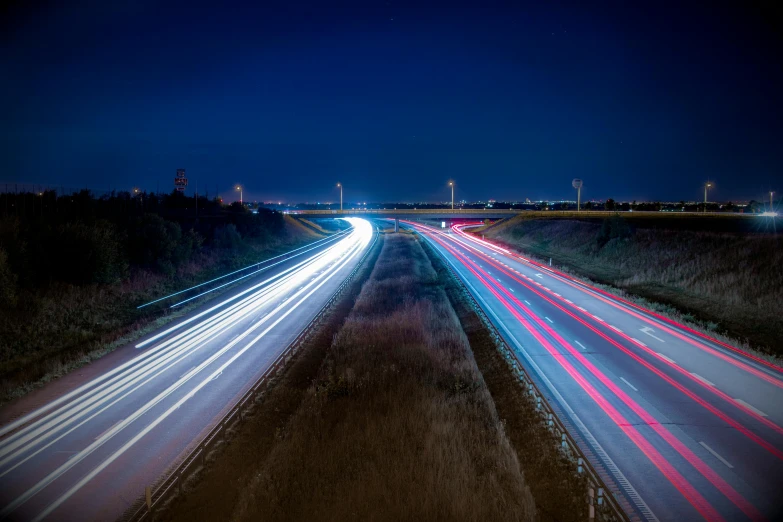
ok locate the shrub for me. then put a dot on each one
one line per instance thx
(7, 281)
(88, 253)
(227, 237)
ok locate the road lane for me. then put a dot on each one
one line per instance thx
(91, 455)
(587, 346)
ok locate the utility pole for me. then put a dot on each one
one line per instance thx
(451, 184)
(706, 186)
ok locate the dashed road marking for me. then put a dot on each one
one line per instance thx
(615, 328)
(582, 309)
(751, 408)
(648, 331)
(598, 318)
(637, 341)
(580, 345)
(548, 319)
(715, 454)
(702, 379)
(527, 302)
(629, 384)
(662, 356)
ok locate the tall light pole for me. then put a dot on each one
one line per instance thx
(451, 184)
(577, 184)
(770, 200)
(706, 186)
(239, 188)
(341, 197)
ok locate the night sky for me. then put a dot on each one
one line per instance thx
(393, 101)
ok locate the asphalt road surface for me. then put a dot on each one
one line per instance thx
(680, 427)
(85, 447)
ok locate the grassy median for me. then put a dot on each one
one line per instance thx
(398, 423)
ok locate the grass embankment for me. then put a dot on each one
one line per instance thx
(54, 330)
(398, 424)
(725, 282)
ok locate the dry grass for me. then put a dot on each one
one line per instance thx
(729, 282)
(398, 424)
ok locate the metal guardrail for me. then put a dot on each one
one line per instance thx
(172, 481)
(596, 493)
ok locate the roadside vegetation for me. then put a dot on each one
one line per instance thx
(726, 281)
(397, 423)
(73, 271)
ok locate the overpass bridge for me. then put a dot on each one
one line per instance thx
(412, 213)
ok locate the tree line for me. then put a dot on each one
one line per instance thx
(82, 239)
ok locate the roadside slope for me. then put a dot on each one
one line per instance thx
(725, 282)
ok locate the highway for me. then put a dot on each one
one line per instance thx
(85, 447)
(679, 426)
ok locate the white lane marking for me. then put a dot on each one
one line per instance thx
(715, 454)
(751, 408)
(558, 295)
(648, 331)
(540, 276)
(629, 384)
(548, 319)
(582, 309)
(662, 356)
(598, 318)
(568, 301)
(527, 302)
(615, 328)
(702, 379)
(637, 341)
(580, 345)
(511, 289)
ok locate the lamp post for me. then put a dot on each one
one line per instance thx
(451, 184)
(770, 201)
(341, 197)
(239, 188)
(706, 186)
(577, 184)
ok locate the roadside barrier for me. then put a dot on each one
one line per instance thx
(608, 503)
(172, 481)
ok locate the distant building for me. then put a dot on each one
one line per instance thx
(180, 182)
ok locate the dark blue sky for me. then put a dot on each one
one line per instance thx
(288, 99)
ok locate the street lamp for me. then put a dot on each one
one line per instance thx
(239, 188)
(341, 197)
(706, 186)
(577, 184)
(451, 184)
